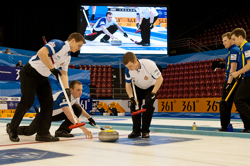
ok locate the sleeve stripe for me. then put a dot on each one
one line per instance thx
(52, 49)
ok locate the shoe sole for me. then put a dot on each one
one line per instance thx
(134, 137)
(63, 136)
(41, 140)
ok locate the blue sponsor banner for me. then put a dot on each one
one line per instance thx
(86, 104)
(8, 73)
(162, 12)
(12, 104)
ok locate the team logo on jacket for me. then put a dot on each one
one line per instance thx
(145, 78)
(52, 44)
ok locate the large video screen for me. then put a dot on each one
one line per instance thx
(118, 29)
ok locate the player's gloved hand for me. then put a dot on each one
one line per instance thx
(132, 100)
(91, 121)
(228, 87)
(92, 17)
(151, 99)
(68, 93)
(125, 34)
(137, 25)
(56, 73)
(151, 26)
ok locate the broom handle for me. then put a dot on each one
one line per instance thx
(67, 99)
(136, 106)
(60, 81)
(231, 91)
(87, 20)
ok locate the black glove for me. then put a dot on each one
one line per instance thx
(132, 100)
(68, 93)
(151, 26)
(138, 25)
(151, 99)
(125, 35)
(56, 73)
(92, 17)
(228, 87)
(91, 121)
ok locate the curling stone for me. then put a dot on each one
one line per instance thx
(108, 135)
(116, 42)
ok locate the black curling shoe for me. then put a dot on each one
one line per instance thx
(46, 138)
(13, 136)
(145, 135)
(134, 135)
(63, 134)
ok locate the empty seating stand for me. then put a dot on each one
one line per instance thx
(191, 80)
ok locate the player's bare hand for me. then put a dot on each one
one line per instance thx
(112, 37)
(88, 134)
(234, 74)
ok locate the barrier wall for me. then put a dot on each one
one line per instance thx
(10, 86)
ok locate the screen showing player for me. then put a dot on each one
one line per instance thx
(118, 29)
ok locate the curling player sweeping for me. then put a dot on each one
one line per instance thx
(34, 82)
(61, 111)
(147, 79)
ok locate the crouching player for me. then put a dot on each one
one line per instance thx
(61, 111)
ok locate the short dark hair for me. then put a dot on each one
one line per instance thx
(239, 32)
(72, 84)
(128, 57)
(109, 13)
(77, 36)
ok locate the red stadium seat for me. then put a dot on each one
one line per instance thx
(185, 78)
(191, 95)
(180, 84)
(98, 85)
(175, 90)
(180, 95)
(175, 95)
(93, 82)
(185, 95)
(191, 88)
(180, 89)
(185, 88)
(109, 79)
(99, 79)
(190, 83)
(197, 95)
(208, 87)
(163, 96)
(209, 94)
(103, 92)
(159, 96)
(170, 84)
(203, 94)
(109, 93)
(196, 71)
(197, 89)
(109, 75)
(104, 79)
(168, 96)
(109, 85)
(170, 90)
(103, 85)
(98, 92)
